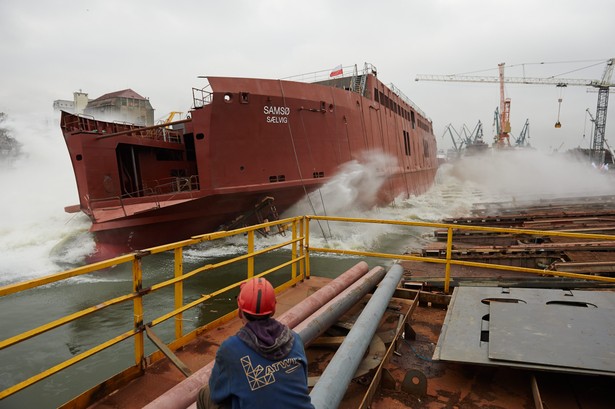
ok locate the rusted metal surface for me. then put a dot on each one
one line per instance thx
(575, 255)
(449, 385)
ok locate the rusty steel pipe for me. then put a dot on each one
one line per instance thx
(307, 307)
(317, 323)
(333, 383)
(184, 394)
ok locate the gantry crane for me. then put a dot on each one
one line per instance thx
(603, 85)
(524, 135)
(472, 140)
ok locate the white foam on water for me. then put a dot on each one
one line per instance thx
(496, 176)
(37, 185)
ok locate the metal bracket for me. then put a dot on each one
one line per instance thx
(167, 352)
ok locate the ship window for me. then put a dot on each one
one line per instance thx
(228, 97)
(407, 143)
(425, 148)
(412, 119)
(281, 178)
(244, 97)
(376, 98)
(273, 179)
(79, 157)
(322, 105)
(200, 136)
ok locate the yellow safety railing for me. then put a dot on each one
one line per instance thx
(298, 263)
(449, 261)
(139, 292)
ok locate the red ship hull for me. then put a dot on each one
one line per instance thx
(245, 140)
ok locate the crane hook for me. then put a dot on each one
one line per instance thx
(558, 124)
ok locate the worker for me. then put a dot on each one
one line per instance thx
(264, 364)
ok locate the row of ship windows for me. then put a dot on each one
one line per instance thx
(383, 99)
(282, 178)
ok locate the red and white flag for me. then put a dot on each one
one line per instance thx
(337, 71)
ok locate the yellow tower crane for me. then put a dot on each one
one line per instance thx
(603, 85)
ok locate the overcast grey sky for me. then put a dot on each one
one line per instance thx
(52, 48)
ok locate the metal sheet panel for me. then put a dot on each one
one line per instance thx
(469, 315)
(575, 337)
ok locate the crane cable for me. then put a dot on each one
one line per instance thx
(558, 124)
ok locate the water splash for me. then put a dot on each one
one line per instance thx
(37, 186)
(351, 191)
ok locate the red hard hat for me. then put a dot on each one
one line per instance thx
(257, 297)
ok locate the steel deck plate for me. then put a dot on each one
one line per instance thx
(571, 336)
(468, 315)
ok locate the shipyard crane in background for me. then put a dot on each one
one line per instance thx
(524, 135)
(603, 86)
(466, 137)
(470, 142)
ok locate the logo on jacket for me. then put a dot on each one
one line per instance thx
(259, 377)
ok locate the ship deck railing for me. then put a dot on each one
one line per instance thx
(293, 263)
(176, 184)
(202, 96)
(88, 124)
(166, 189)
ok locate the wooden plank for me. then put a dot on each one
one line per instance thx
(327, 341)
